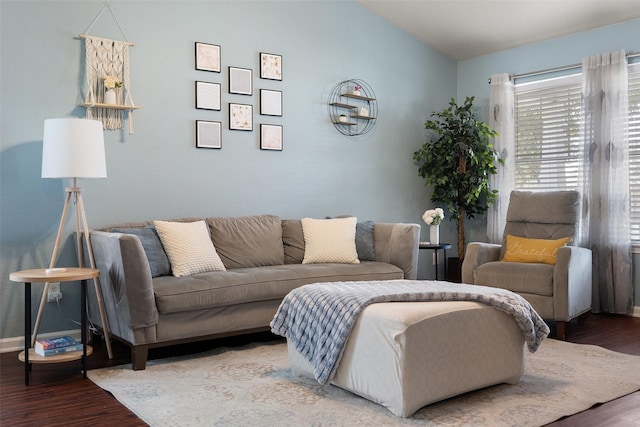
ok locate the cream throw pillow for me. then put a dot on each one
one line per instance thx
(188, 247)
(330, 240)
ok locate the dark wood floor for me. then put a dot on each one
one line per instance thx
(58, 395)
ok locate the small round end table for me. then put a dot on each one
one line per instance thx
(68, 274)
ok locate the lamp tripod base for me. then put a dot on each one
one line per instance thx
(82, 229)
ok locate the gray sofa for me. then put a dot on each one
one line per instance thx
(263, 259)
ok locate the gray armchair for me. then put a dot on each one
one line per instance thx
(557, 292)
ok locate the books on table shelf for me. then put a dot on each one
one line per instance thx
(58, 345)
(49, 343)
(60, 350)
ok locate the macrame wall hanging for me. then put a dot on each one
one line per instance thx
(107, 88)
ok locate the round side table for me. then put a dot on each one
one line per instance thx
(68, 274)
(435, 248)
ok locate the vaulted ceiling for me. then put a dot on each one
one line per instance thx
(463, 29)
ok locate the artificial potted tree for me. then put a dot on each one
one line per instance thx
(456, 163)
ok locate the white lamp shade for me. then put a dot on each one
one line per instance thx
(73, 148)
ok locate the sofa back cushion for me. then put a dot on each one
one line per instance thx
(153, 249)
(250, 241)
(293, 240)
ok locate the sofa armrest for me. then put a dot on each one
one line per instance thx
(478, 253)
(398, 244)
(572, 282)
(126, 283)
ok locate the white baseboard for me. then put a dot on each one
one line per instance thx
(636, 311)
(8, 345)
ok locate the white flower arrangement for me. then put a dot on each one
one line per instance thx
(433, 216)
(111, 82)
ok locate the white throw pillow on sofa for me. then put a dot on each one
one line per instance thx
(188, 247)
(330, 240)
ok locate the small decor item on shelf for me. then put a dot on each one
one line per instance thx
(364, 112)
(110, 85)
(110, 97)
(342, 118)
(434, 234)
(356, 90)
(434, 217)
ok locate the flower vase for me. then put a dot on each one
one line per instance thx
(434, 234)
(110, 96)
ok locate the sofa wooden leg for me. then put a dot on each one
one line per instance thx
(561, 330)
(139, 354)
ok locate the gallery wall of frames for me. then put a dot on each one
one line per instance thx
(240, 107)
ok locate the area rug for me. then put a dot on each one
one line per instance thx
(253, 386)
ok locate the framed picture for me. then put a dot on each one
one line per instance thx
(207, 57)
(270, 102)
(270, 66)
(240, 81)
(208, 134)
(271, 137)
(240, 117)
(207, 96)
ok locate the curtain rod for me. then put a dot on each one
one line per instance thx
(556, 69)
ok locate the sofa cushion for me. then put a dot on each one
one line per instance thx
(250, 241)
(365, 241)
(330, 240)
(293, 241)
(519, 277)
(188, 247)
(156, 256)
(245, 285)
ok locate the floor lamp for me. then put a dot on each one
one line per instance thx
(74, 148)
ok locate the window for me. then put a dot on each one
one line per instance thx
(549, 135)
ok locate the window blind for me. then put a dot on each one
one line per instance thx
(548, 134)
(634, 150)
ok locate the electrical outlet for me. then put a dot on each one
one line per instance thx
(54, 294)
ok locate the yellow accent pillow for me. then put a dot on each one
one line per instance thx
(521, 249)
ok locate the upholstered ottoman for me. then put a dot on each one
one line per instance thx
(405, 355)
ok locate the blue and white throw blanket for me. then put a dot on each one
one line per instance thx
(317, 319)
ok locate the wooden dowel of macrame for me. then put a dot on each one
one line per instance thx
(84, 36)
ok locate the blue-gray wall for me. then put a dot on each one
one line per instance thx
(157, 173)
